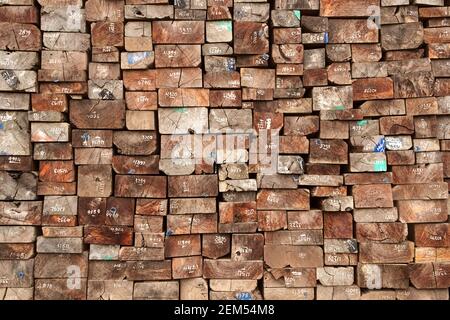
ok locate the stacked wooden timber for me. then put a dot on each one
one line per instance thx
(225, 149)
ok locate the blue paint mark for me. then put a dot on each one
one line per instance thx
(381, 145)
(1, 125)
(298, 14)
(131, 171)
(244, 296)
(113, 210)
(325, 38)
(135, 57)
(21, 274)
(169, 232)
(417, 149)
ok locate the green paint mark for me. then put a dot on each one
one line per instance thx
(362, 123)
(181, 110)
(298, 14)
(108, 257)
(340, 108)
(380, 165)
(225, 24)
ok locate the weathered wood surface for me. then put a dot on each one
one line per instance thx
(9, 273)
(224, 150)
(224, 269)
(29, 37)
(166, 32)
(141, 186)
(110, 290)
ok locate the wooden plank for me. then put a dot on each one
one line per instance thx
(142, 186)
(110, 290)
(57, 289)
(432, 235)
(29, 37)
(429, 275)
(328, 151)
(375, 276)
(49, 265)
(226, 269)
(108, 235)
(153, 290)
(9, 269)
(244, 44)
(373, 252)
(166, 32)
(278, 199)
(351, 31)
(279, 256)
(381, 232)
